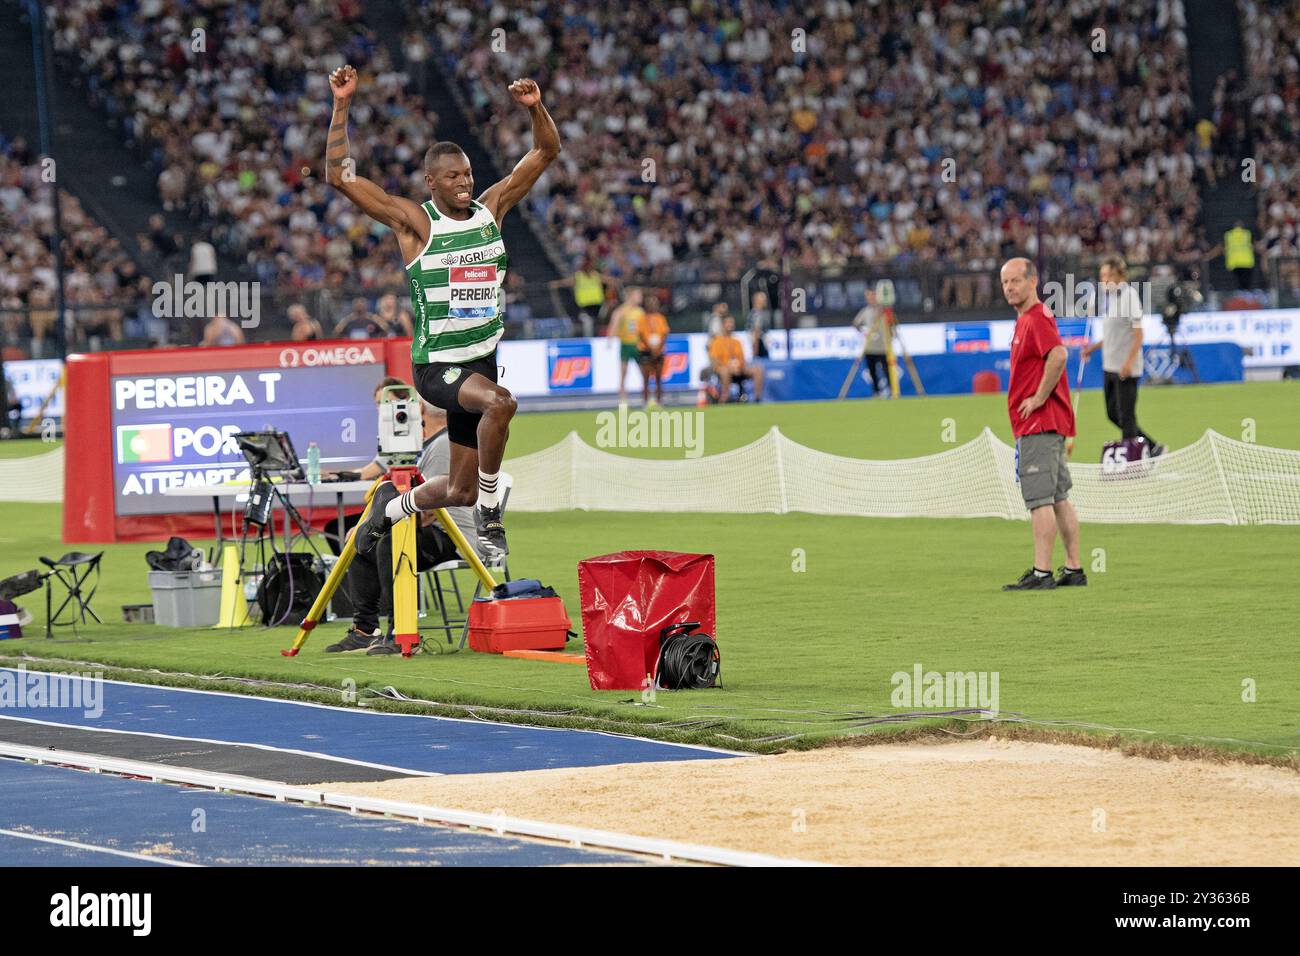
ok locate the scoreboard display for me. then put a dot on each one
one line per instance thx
(142, 422)
(176, 430)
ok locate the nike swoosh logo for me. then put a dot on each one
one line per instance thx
(445, 241)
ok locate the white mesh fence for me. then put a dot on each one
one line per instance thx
(1213, 480)
(37, 478)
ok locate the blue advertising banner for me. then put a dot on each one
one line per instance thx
(677, 361)
(954, 373)
(33, 380)
(1074, 332)
(968, 337)
(569, 365)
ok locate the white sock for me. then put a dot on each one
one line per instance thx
(403, 506)
(489, 490)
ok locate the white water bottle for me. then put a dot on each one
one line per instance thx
(313, 463)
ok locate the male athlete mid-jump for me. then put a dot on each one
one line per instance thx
(456, 264)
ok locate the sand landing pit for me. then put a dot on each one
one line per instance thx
(985, 802)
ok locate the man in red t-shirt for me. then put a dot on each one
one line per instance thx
(1038, 400)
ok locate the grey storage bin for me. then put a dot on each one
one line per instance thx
(186, 598)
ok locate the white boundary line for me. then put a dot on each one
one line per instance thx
(268, 748)
(366, 710)
(666, 850)
(95, 849)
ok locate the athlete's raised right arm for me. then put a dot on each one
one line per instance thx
(396, 212)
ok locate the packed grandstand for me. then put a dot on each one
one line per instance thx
(887, 135)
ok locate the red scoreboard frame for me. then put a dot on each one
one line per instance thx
(89, 503)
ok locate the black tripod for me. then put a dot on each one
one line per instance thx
(1180, 356)
(260, 513)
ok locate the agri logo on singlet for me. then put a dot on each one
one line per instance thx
(417, 296)
(569, 365)
(473, 291)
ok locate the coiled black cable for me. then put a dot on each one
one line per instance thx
(687, 660)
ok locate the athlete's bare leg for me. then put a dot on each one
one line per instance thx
(460, 485)
(498, 407)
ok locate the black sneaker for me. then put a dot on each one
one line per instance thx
(389, 646)
(1029, 581)
(1065, 578)
(376, 525)
(491, 532)
(1156, 450)
(354, 640)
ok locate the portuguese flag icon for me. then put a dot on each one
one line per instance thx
(144, 443)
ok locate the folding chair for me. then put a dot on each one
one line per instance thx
(73, 570)
(712, 383)
(439, 591)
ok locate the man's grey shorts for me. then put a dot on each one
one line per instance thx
(1044, 475)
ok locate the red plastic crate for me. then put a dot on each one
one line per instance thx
(518, 624)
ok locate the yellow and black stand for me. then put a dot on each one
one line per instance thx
(406, 579)
(234, 607)
(405, 576)
(893, 360)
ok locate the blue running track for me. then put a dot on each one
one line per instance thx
(414, 744)
(53, 816)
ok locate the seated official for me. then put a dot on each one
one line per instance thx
(375, 469)
(370, 576)
(727, 358)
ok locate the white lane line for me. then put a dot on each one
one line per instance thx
(94, 849)
(317, 755)
(374, 713)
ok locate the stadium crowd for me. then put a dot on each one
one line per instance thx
(1270, 98)
(898, 132)
(98, 273)
(932, 133)
(230, 101)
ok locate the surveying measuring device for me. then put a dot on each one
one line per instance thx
(401, 437)
(885, 298)
(400, 433)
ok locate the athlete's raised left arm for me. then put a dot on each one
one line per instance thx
(501, 197)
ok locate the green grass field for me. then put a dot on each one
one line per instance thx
(26, 447)
(1158, 647)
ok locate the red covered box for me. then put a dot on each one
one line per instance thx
(628, 598)
(518, 624)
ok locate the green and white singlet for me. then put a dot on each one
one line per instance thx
(456, 288)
